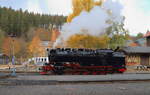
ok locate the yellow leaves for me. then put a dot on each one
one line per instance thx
(87, 41)
(87, 5)
(35, 47)
(77, 8)
(11, 46)
(39, 42)
(55, 34)
(70, 17)
(43, 34)
(98, 3)
(80, 5)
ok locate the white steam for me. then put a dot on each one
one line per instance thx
(94, 22)
(116, 10)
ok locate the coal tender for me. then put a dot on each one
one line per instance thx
(70, 61)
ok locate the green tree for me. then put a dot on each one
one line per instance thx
(19, 22)
(139, 35)
(1, 39)
(118, 35)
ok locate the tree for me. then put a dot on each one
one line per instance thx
(80, 5)
(118, 35)
(34, 47)
(23, 52)
(98, 3)
(43, 34)
(87, 41)
(1, 39)
(11, 46)
(22, 55)
(139, 35)
(19, 22)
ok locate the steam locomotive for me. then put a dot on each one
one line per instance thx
(84, 62)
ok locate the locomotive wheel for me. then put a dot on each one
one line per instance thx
(94, 73)
(77, 73)
(81, 73)
(120, 72)
(60, 72)
(111, 72)
(85, 73)
(103, 73)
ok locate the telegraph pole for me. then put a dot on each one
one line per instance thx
(13, 56)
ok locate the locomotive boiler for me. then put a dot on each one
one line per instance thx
(84, 61)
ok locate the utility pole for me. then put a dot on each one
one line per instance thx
(13, 56)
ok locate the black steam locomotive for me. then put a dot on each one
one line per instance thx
(84, 61)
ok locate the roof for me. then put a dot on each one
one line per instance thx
(133, 44)
(142, 50)
(141, 42)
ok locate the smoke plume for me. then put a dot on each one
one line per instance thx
(94, 22)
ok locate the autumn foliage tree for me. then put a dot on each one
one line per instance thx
(87, 41)
(80, 5)
(34, 47)
(11, 46)
(117, 35)
(84, 40)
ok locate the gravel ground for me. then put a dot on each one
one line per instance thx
(47, 85)
(142, 88)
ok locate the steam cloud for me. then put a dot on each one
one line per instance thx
(94, 22)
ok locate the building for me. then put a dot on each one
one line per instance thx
(137, 55)
(139, 42)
